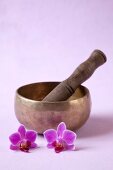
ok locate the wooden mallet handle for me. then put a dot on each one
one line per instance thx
(84, 71)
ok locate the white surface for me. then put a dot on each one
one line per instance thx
(45, 41)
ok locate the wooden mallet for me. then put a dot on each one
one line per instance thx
(84, 71)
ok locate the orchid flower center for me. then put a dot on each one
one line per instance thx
(25, 145)
(58, 147)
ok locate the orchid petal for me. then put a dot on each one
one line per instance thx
(14, 147)
(33, 145)
(22, 131)
(50, 146)
(31, 136)
(61, 127)
(70, 147)
(50, 135)
(69, 136)
(15, 138)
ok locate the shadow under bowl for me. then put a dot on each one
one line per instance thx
(39, 115)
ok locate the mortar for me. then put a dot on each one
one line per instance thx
(40, 115)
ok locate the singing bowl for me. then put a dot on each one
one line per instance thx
(39, 115)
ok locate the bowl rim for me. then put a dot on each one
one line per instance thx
(87, 93)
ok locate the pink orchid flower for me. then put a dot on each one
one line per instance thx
(23, 140)
(60, 139)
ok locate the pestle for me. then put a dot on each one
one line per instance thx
(84, 71)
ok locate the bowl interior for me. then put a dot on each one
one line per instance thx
(37, 91)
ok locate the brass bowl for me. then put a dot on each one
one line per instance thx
(39, 115)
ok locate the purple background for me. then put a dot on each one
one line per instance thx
(45, 40)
